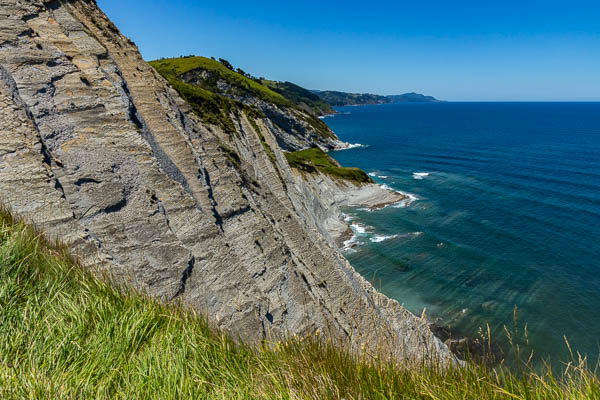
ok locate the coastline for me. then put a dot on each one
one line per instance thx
(375, 197)
(372, 197)
(193, 211)
(335, 195)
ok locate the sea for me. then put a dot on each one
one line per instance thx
(502, 227)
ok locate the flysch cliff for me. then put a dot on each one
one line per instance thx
(294, 127)
(100, 151)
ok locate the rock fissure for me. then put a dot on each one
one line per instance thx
(44, 151)
(213, 201)
(187, 272)
(83, 181)
(115, 207)
(167, 165)
(122, 150)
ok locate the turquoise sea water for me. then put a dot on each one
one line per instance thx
(507, 214)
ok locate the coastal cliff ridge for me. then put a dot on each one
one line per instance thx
(123, 164)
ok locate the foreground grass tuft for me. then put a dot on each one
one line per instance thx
(68, 335)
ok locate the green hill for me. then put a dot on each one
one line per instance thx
(176, 67)
(213, 102)
(68, 335)
(301, 97)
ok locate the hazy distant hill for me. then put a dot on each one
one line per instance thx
(306, 99)
(334, 98)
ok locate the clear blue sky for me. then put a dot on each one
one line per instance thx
(453, 50)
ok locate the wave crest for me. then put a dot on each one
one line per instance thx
(350, 146)
(381, 238)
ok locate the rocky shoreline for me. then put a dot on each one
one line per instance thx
(478, 349)
(374, 197)
(334, 195)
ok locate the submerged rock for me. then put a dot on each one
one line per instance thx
(479, 349)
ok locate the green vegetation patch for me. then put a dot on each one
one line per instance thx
(211, 104)
(319, 126)
(270, 153)
(231, 155)
(300, 96)
(176, 67)
(211, 107)
(314, 159)
(68, 335)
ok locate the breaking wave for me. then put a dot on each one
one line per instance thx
(381, 238)
(349, 146)
(420, 175)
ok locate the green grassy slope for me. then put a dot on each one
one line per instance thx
(68, 335)
(210, 103)
(300, 96)
(311, 160)
(175, 67)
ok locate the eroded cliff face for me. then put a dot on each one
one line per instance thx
(97, 150)
(293, 128)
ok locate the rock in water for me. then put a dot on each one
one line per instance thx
(98, 150)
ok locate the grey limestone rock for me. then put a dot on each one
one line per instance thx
(98, 150)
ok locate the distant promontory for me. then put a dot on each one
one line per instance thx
(334, 98)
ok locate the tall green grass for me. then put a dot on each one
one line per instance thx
(65, 334)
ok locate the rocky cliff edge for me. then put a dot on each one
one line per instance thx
(97, 149)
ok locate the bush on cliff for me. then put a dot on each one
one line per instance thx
(315, 159)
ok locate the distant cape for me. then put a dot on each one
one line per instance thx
(334, 98)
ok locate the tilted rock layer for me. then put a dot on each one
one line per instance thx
(96, 149)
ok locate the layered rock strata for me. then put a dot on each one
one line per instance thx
(98, 150)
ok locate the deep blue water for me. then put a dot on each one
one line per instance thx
(508, 215)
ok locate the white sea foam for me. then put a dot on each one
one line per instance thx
(358, 231)
(374, 175)
(381, 238)
(420, 175)
(358, 228)
(405, 202)
(327, 116)
(349, 146)
(349, 244)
